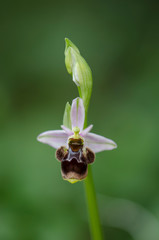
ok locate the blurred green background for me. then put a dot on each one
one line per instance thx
(120, 42)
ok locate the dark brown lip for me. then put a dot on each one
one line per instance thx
(73, 169)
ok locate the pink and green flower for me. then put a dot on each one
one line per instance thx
(76, 147)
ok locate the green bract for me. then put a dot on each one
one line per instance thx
(67, 116)
(81, 72)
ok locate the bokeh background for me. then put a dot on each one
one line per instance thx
(120, 42)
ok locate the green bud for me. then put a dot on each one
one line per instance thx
(67, 116)
(81, 72)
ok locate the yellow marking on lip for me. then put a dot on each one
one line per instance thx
(71, 180)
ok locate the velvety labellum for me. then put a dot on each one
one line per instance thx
(74, 160)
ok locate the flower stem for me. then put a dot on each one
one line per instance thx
(94, 220)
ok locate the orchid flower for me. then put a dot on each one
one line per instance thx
(76, 147)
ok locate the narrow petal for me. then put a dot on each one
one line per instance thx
(99, 143)
(67, 130)
(86, 130)
(55, 138)
(77, 113)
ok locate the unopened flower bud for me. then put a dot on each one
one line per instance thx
(81, 72)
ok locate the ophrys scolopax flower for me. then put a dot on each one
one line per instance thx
(76, 147)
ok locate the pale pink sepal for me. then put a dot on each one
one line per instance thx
(99, 143)
(55, 139)
(77, 113)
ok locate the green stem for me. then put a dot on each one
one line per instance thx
(94, 220)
